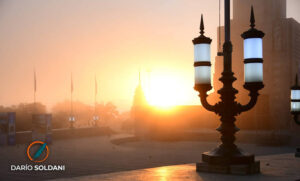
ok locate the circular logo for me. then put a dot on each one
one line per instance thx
(38, 151)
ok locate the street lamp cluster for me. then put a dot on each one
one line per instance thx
(295, 100)
(95, 119)
(253, 57)
(226, 157)
(72, 121)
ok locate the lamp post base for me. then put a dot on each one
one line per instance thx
(241, 169)
(240, 164)
(297, 154)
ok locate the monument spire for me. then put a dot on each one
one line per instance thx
(140, 77)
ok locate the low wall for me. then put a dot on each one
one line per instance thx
(66, 133)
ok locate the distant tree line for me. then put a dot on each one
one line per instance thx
(107, 112)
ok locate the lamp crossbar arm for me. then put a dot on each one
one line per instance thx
(253, 99)
(253, 88)
(203, 98)
(296, 119)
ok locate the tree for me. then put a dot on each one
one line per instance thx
(24, 113)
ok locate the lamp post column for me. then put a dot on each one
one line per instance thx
(228, 158)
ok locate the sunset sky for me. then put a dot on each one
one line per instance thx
(112, 39)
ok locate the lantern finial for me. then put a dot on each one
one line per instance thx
(201, 39)
(252, 32)
(252, 18)
(201, 26)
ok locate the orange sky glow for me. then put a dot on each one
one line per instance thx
(109, 39)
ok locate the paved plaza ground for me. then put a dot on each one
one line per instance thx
(281, 167)
(97, 155)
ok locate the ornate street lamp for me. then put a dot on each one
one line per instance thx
(295, 106)
(295, 100)
(72, 121)
(96, 119)
(228, 158)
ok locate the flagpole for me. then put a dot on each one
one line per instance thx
(34, 104)
(71, 94)
(95, 102)
(72, 117)
(34, 91)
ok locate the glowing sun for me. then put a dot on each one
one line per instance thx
(165, 90)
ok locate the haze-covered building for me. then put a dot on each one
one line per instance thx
(281, 54)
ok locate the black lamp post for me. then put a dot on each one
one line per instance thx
(295, 106)
(228, 158)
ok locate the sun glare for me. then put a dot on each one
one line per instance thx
(165, 90)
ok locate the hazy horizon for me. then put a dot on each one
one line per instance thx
(110, 39)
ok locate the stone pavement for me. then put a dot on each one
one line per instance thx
(281, 167)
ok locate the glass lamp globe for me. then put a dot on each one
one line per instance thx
(202, 62)
(253, 53)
